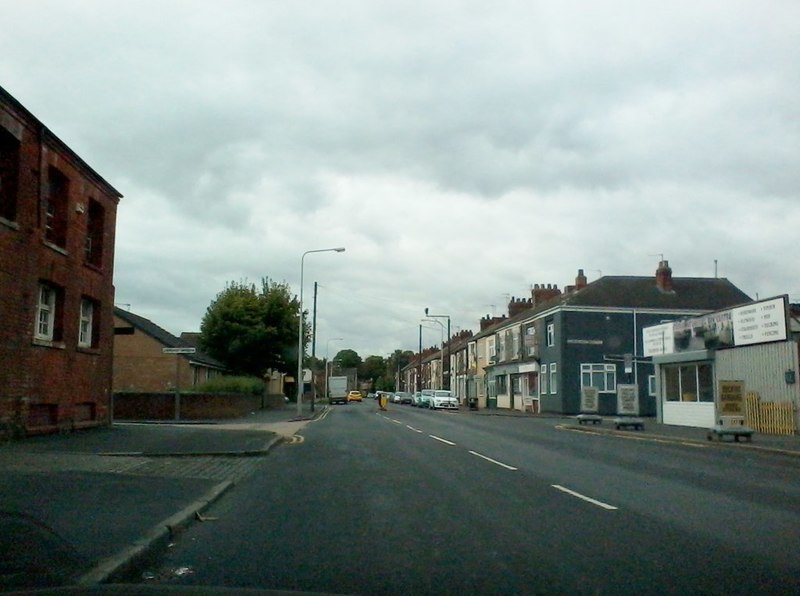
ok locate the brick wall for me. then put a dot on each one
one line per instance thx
(53, 385)
(194, 406)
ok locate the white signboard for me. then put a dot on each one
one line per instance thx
(628, 400)
(659, 339)
(759, 323)
(178, 350)
(589, 402)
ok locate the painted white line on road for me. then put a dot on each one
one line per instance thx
(416, 430)
(584, 497)
(494, 461)
(396, 421)
(441, 439)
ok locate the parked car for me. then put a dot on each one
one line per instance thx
(415, 399)
(404, 397)
(425, 398)
(443, 400)
(355, 396)
(395, 398)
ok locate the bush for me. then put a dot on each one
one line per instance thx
(243, 385)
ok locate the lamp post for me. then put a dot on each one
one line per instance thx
(299, 379)
(441, 352)
(430, 316)
(327, 345)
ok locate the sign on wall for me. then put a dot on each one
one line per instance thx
(759, 322)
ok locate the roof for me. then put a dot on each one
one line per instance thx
(166, 339)
(49, 135)
(689, 293)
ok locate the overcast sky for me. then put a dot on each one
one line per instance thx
(460, 151)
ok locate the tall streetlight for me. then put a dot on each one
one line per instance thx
(327, 345)
(299, 379)
(441, 352)
(430, 316)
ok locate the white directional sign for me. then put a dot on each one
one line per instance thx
(178, 350)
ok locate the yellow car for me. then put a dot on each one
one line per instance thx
(354, 396)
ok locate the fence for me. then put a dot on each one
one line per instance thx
(771, 418)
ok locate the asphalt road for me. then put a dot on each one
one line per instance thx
(412, 501)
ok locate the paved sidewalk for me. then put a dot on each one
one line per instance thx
(778, 444)
(79, 508)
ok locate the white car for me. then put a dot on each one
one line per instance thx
(443, 400)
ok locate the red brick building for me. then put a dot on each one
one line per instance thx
(57, 224)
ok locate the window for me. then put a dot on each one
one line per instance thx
(553, 381)
(490, 351)
(602, 376)
(530, 341)
(515, 343)
(551, 334)
(88, 327)
(688, 382)
(651, 385)
(55, 222)
(48, 313)
(9, 170)
(94, 234)
(543, 378)
(501, 385)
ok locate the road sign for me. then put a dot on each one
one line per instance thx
(178, 350)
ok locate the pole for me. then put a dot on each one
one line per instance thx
(449, 368)
(419, 363)
(314, 348)
(177, 386)
(300, 347)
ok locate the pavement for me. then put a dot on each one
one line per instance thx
(788, 445)
(83, 508)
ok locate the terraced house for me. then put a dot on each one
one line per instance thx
(555, 343)
(57, 225)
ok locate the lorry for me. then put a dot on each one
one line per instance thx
(337, 390)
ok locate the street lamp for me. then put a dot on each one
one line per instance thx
(299, 379)
(427, 314)
(441, 352)
(327, 345)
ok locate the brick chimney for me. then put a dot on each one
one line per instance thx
(516, 306)
(541, 293)
(580, 281)
(664, 277)
(488, 321)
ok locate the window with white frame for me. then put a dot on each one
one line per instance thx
(490, 352)
(530, 341)
(515, 343)
(553, 381)
(48, 315)
(601, 376)
(86, 334)
(551, 334)
(651, 385)
(543, 379)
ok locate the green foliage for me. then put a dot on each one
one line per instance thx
(225, 384)
(348, 359)
(252, 331)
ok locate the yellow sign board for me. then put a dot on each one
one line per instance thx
(731, 398)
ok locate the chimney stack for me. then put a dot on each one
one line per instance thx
(516, 306)
(541, 293)
(664, 277)
(580, 281)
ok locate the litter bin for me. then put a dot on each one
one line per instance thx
(473, 403)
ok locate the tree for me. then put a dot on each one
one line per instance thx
(373, 368)
(253, 331)
(348, 359)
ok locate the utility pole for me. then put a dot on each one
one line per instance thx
(314, 349)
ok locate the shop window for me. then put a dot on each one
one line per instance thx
(9, 172)
(55, 223)
(501, 385)
(688, 382)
